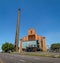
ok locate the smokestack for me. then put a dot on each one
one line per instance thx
(17, 31)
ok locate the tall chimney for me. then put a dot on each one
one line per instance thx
(17, 32)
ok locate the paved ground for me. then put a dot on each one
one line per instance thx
(12, 58)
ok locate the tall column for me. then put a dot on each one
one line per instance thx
(17, 32)
(43, 44)
(21, 45)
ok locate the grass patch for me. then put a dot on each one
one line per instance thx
(38, 54)
(42, 55)
(56, 56)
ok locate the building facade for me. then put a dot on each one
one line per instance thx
(32, 42)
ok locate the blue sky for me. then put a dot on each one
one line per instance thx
(42, 15)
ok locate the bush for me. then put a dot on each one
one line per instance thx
(55, 47)
(7, 47)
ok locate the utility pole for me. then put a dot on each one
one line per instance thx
(17, 31)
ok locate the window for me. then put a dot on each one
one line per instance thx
(31, 32)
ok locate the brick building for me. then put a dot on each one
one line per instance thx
(32, 42)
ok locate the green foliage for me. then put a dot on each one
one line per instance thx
(55, 46)
(7, 46)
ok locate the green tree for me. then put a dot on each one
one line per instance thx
(7, 46)
(55, 47)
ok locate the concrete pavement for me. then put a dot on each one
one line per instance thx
(12, 58)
